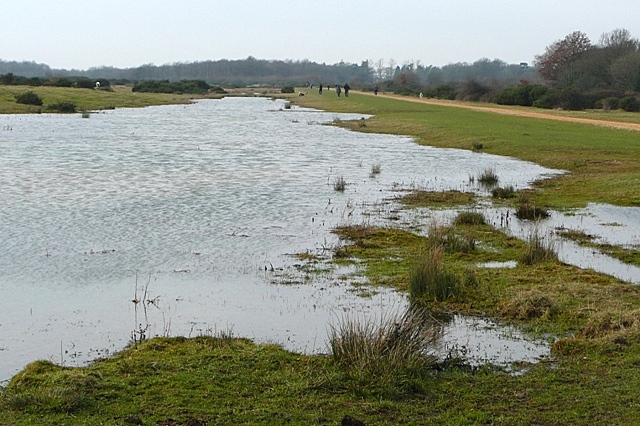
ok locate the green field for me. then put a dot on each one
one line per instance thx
(592, 319)
(83, 99)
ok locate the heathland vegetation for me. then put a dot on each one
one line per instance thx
(378, 373)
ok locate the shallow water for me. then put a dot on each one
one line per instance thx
(193, 210)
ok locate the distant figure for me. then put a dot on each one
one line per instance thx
(320, 89)
(346, 90)
(375, 90)
(338, 89)
(421, 95)
(97, 84)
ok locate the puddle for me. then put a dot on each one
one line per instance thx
(609, 224)
(480, 341)
(496, 265)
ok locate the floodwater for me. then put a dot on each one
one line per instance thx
(193, 212)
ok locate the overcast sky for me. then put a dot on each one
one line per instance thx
(82, 34)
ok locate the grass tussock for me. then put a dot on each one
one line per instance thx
(488, 177)
(527, 210)
(437, 199)
(339, 184)
(430, 278)
(447, 237)
(470, 218)
(503, 193)
(529, 305)
(390, 352)
(539, 248)
(376, 169)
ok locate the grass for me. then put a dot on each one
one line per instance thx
(539, 249)
(504, 193)
(83, 99)
(387, 354)
(602, 162)
(593, 319)
(431, 278)
(443, 199)
(375, 169)
(339, 184)
(488, 177)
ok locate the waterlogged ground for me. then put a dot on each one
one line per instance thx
(181, 220)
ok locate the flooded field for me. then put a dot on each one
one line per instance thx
(181, 220)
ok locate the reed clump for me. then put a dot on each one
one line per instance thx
(390, 352)
(375, 169)
(506, 192)
(488, 177)
(430, 278)
(339, 184)
(449, 240)
(526, 210)
(539, 249)
(470, 218)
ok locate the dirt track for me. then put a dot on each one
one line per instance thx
(516, 112)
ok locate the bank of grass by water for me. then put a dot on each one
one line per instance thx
(602, 162)
(593, 319)
(83, 99)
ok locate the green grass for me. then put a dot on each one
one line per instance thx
(602, 162)
(594, 319)
(83, 99)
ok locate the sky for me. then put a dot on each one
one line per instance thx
(82, 34)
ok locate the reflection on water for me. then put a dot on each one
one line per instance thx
(200, 205)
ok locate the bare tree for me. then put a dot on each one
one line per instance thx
(559, 55)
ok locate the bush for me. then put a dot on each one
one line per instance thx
(64, 107)
(630, 103)
(567, 99)
(524, 95)
(288, 89)
(29, 98)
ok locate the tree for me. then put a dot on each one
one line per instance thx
(561, 54)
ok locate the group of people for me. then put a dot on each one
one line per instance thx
(339, 89)
(346, 88)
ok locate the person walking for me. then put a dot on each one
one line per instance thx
(346, 90)
(338, 90)
(320, 89)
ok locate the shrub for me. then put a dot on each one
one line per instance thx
(64, 107)
(630, 103)
(29, 98)
(288, 89)
(524, 95)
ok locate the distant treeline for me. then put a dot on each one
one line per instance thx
(11, 79)
(252, 71)
(183, 86)
(572, 73)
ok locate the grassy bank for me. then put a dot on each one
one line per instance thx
(593, 319)
(603, 162)
(83, 99)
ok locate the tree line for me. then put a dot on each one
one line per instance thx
(572, 73)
